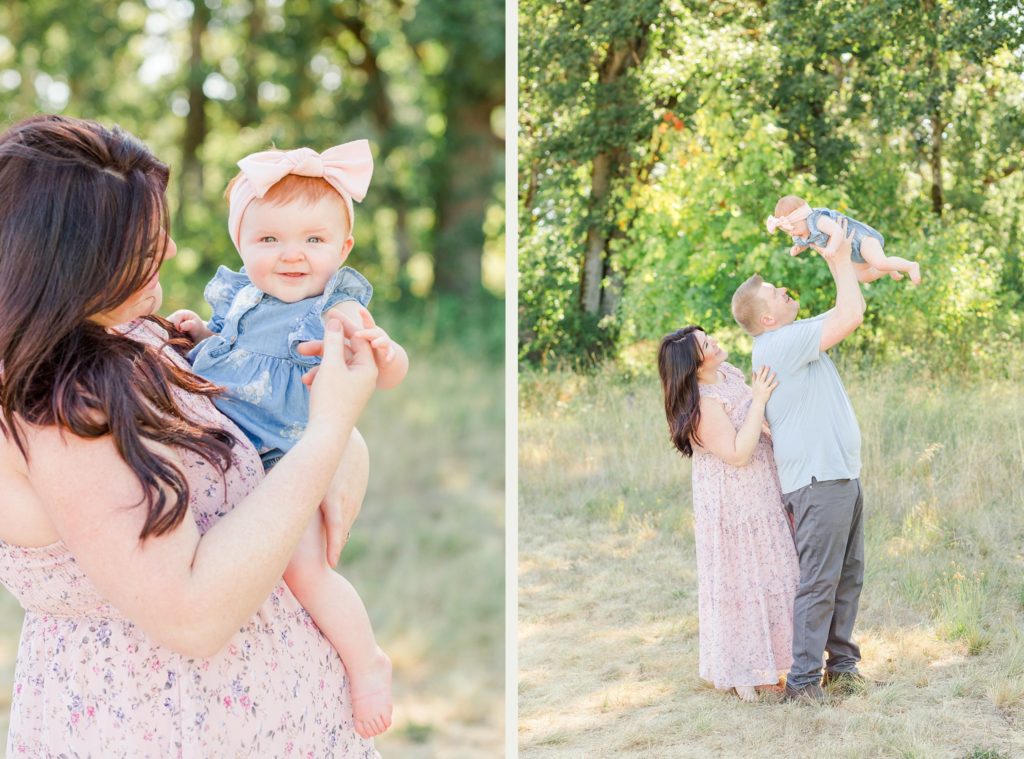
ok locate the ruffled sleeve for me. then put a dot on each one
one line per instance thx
(731, 372)
(346, 284)
(221, 291)
(726, 391)
(718, 392)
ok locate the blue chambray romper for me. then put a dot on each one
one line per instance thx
(857, 229)
(252, 354)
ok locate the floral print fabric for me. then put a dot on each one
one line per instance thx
(747, 571)
(88, 683)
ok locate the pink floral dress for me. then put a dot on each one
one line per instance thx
(88, 683)
(747, 571)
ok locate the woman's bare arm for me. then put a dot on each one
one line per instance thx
(716, 432)
(186, 591)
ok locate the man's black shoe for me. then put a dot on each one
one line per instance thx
(812, 693)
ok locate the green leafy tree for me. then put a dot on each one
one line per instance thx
(904, 116)
(207, 81)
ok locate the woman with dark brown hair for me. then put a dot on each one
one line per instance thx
(137, 529)
(746, 563)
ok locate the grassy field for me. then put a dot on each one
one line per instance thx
(607, 584)
(427, 556)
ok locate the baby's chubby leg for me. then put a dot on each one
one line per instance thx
(871, 250)
(338, 611)
(868, 273)
(344, 498)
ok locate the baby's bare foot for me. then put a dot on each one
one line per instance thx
(370, 685)
(896, 275)
(915, 273)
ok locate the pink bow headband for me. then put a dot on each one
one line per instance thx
(788, 223)
(347, 168)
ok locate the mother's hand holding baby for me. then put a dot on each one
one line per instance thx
(138, 531)
(343, 500)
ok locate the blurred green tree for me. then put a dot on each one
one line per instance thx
(205, 82)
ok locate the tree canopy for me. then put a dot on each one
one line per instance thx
(656, 137)
(204, 83)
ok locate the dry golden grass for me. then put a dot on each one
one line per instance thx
(427, 556)
(607, 585)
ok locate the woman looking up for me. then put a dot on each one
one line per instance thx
(746, 564)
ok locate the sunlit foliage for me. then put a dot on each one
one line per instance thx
(908, 118)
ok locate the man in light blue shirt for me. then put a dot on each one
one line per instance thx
(817, 450)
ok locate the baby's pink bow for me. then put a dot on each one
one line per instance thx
(788, 223)
(347, 168)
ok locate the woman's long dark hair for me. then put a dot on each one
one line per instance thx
(679, 359)
(81, 211)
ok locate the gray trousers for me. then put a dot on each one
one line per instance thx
(829, 536)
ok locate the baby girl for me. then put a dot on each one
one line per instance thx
(823, 230)
(290, 217)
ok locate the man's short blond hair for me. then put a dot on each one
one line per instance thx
(748, 306)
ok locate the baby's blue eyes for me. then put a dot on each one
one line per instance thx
(311, 238)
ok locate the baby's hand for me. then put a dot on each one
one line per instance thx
(382, 344)
(189, 322)
(797, 249)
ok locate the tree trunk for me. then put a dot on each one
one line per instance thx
(311, 27)
(607, 165)
(464, 193)
(612, 291)
(613, 278)
(531, 188)
(251, 90)
(936, 162)
(597, 240)
(381, 103)
(383, 115)
(934, 104)
(191, 184)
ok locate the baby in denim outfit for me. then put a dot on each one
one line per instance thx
(823, 230)
(290, 217)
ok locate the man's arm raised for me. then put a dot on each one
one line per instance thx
(848, 314)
